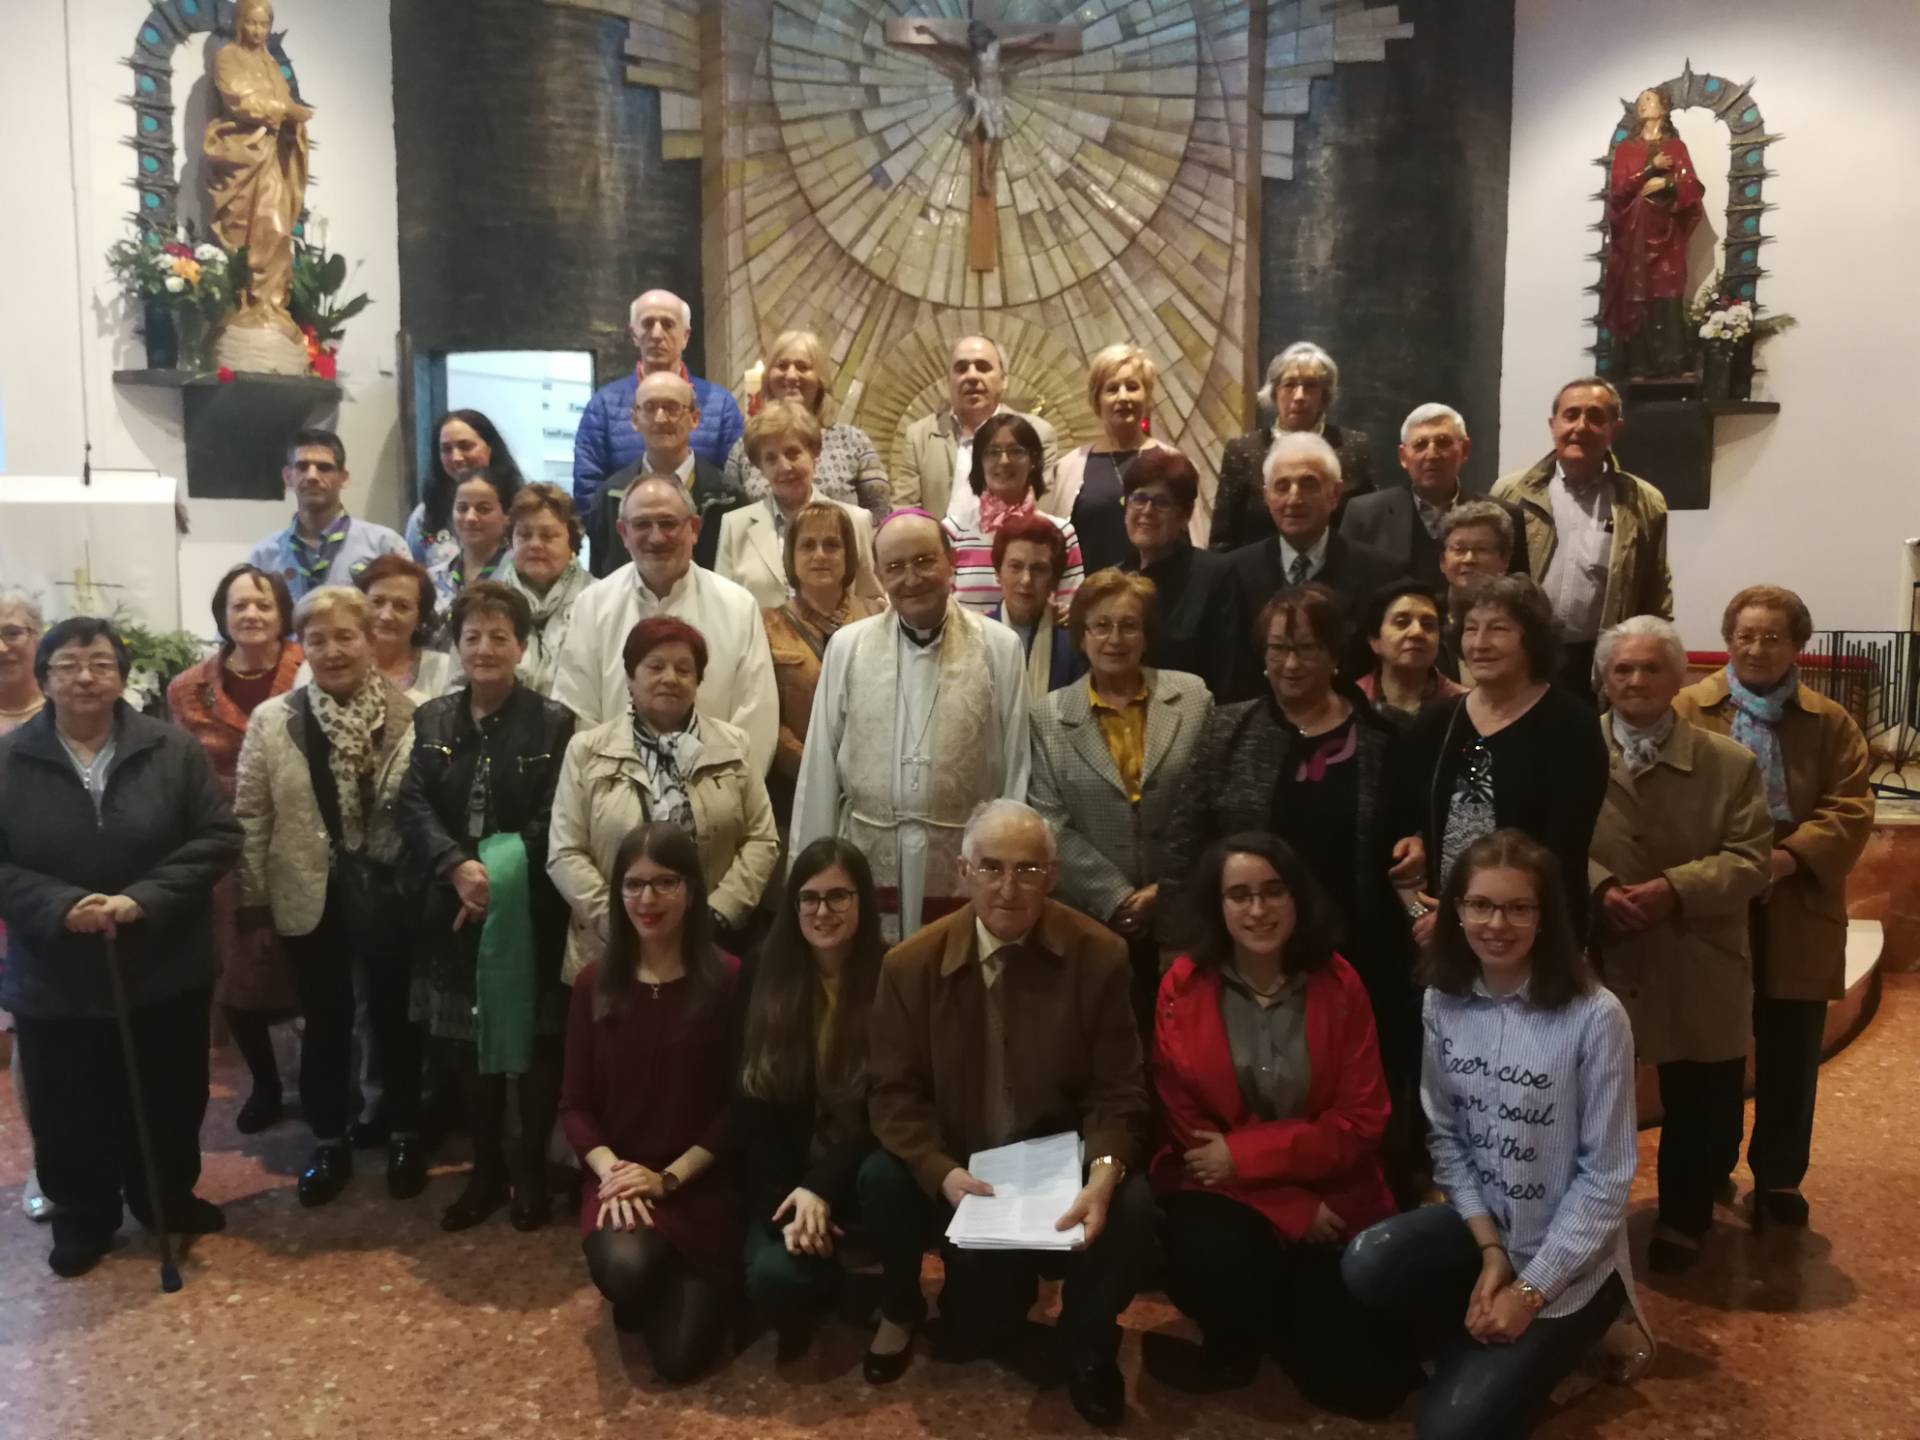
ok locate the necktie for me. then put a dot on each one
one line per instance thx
(1297, 572)
(995, 1080)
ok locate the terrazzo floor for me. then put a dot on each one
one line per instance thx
(364, 1320)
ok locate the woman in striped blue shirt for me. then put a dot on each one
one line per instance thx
(1527, 1083)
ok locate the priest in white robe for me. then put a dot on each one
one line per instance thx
(659, 527)
(920, 715)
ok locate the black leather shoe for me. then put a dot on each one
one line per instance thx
(1787, 1208)
(368, 1134)
(480, 1199)
(1097, 1390)
(885, 1369)
(263, 1108)
(406, 1167)
(326, 1174)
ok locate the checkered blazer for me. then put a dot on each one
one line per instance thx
(1108, 847)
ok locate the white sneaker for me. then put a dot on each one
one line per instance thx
(34, 1201)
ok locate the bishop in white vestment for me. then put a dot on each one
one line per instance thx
(920, 715)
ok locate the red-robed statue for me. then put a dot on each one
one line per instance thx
(1653, 203)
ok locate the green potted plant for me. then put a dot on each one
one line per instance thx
(184, 288)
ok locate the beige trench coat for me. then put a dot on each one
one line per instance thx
(602, 795)
(1805, 947)
(1698, 817)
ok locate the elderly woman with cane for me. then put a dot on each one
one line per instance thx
(113, 831)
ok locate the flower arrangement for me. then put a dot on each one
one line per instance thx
(183, 283)
(157, 656)
(1729, 327)
(318, 277)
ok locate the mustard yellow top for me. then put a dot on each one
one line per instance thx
(1125, 732)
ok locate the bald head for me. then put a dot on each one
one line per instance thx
(665, 410)
(915, 561)
(976, 379)
(661, 324)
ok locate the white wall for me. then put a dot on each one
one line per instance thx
(63, 330)
(1821, 496)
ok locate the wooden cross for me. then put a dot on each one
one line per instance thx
(977, 51)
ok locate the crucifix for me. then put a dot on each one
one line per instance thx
(978, 50)
(87, 599)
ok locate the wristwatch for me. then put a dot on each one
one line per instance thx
(1119, 1166)
(1417, 908)
(1529, 1295)
(669, 1182)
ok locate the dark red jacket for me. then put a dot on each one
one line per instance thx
(1284, 1169)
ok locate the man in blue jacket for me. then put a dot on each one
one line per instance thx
(661, 324)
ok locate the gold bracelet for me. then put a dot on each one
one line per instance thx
(1119, 1165)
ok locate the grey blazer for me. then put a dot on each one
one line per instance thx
(1107, 845)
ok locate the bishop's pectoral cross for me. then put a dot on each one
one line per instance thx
(979, 50)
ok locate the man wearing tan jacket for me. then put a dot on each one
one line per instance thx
(1005, 1021)
(1679, 853)
(1596, 537)
(936, 454)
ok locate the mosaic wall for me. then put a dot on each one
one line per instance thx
(836, 190)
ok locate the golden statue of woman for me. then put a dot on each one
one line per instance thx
(256, 149)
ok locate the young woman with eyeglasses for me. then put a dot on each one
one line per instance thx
(1527, 1084)
(1269, 1080)
(816, 1177)
(652, 1049)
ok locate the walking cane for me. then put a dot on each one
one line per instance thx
(169, 1272)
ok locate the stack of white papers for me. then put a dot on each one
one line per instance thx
(1034, 1183)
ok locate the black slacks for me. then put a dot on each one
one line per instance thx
(1699, 1138)
(988, 1292)
(883, 1210)
(84, 1144)
(1786, 1078)
(1249, 1289)
(323, 973)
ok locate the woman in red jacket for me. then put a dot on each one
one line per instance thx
(1269, 1080)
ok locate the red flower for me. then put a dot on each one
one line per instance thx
(326, 365)
(224, 374)
(174, 247)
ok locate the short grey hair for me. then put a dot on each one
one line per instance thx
(1480, 512)
(1426, 414)
(1590, 382)
(1639, 627)
(633, 310)
(999, 353)
(672, 482)
(1305, 354)
(14, 598)
(1306, 447)
(988, 811)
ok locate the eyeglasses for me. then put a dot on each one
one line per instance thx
(1157, 500)
(1026, 874)
(1473, 552)
(15, 634)
(1008, 452)
(1521, 914)
(73, 669)
(923, 565)
(667, 525)
(1126, 629)
(1280, 651)
(1742, 640)
(1241, 897)
(661, 887)
(662, 409)
(834, 901)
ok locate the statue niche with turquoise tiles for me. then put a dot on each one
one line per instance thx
(1652, 311)
(255, 155)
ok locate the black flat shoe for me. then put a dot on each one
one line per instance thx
(531, 1208)
(326, 1175)
(1097, 1390)
(263, 1108)
(882, 1369)
(1671, 1257)
(73, 1256)
(406, 1167)
(1786, 1208)
(478, 1201)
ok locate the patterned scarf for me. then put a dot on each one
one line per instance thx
(1755, 716)
(349, 727)
(314, 561)
(551, 614)
(995, 512)
(669, 761)
(1640, 748)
